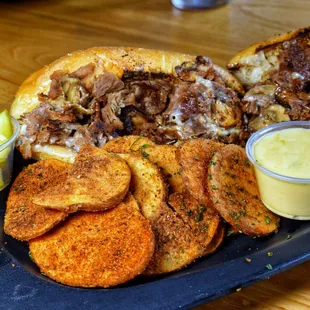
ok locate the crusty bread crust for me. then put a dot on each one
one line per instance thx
(235, 61)
(113, 59)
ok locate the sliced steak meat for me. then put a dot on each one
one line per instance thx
(82, 108)
(84, 71)
(106, 83)
(201, 109)
(151, 96)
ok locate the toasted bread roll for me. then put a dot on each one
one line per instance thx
(276, 75)
(256, 63)
(195, 157)
(98, 180)
(234, 192)
(89, 97)
(99, 249)
(23, 219)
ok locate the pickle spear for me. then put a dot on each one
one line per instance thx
(6, 131)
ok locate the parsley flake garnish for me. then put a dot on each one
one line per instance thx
(267, 219)
(269, 267)
(214, 187)
(145, 154)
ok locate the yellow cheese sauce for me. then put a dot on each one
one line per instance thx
(286, 152)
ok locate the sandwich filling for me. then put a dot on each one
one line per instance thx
(82, 108)
(278, 82)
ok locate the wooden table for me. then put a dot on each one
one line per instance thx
(33, 33)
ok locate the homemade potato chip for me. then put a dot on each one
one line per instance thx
(235, 194)
(98, 180)
(96, 249)
(23, 219)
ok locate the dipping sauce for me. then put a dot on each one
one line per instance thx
(281, 157)
(286, 152)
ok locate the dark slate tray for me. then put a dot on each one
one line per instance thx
(23, 287)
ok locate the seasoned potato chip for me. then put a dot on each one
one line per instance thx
(195, 157)
(147, 184)
(164, 157)
(97, 181)
(127, 144)
(216, 241)
(183, 232)
(96, 249)
(235, 194)
(25, 220)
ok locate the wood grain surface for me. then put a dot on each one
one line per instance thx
(34, 33)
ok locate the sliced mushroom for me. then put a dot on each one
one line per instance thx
(272, 114)
(74, 92)
(225, 115)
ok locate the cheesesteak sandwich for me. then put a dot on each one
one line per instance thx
(91, 96)
(276, 75)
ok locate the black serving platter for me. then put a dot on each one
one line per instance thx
(23, 287)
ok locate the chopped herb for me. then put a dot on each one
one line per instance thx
(236, 215)
(247, 163)
(212, 153)
(135, 142)
(22, 209)
(230, 232)
(212, 163)
(269, 267)
(196, 158)
(229, 193)
(199, 217)
(180, 171)
(30, 255)
(236, 159)
(248, 259)
(217, 202)
(270, 254)
(169, 175)
(177, 227)
(152, 206)
(289, 236)
(205, 228)
(119, 252)
(183, 204)
(255, 196)
(145, 154)
(210, 177)
(29, 171)
(267, 219)
(182, 250)
(145, 145)
(190, 212)
(214, 187)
